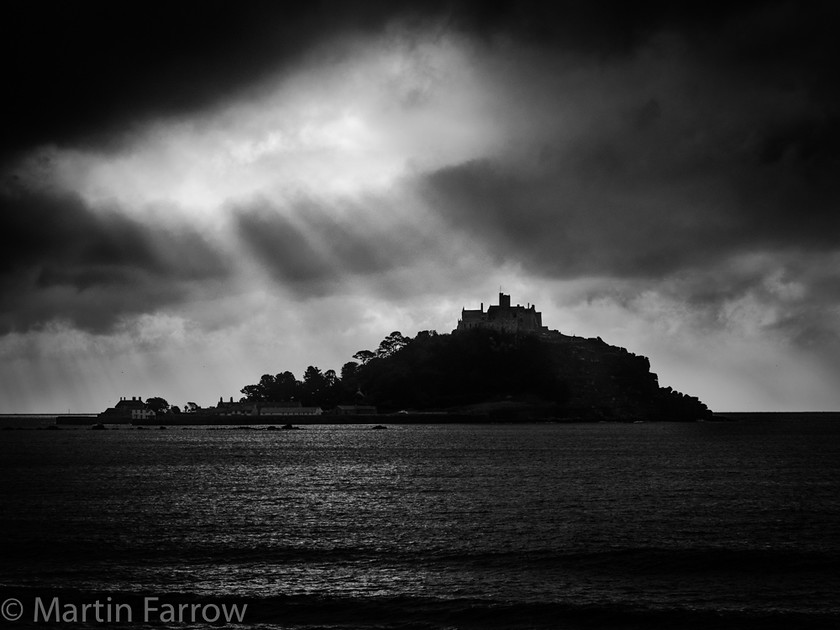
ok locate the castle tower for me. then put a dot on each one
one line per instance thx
(504, 317)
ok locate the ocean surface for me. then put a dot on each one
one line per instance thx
(653, 525)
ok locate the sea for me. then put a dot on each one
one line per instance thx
(571, 526)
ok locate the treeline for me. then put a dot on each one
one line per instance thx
(440, 371)
(324, 389)
(429, 371)
(317, 389)
(568, 376)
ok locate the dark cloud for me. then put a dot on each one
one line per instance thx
(740, 153)
(90, 71)
(663, 159)
(667, 167)
(707, 132)
(557, 228)
(601, 213)
(707, 243)
(60, 259)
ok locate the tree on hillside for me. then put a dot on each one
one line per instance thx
(349, 384)
(286, 386)
(313, 385)
(363, 356)
(392, 344)
(348, 371)
(272, 388)
(157, 404)
(313, 377)
(261, 391)
(332, 392)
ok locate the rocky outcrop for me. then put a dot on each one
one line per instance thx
(546, 375)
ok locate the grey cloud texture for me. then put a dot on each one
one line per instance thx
(63, 260)
(651, 161)
(88, 73)
(687, 151)
(315, 248)
(666, 165)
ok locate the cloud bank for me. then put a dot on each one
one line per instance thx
(272, 188)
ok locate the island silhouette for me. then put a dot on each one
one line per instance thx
(501, 364)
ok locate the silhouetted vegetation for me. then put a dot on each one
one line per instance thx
(492, 372)
(317, 389)
(158, 404)
(441, 371)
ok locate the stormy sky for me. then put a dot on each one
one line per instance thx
(197, 193)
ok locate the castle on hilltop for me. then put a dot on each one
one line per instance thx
(503, 317)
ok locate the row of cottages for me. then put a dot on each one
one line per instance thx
(250, 408)
(134, 408)
(288, 408)
(503, 317)
(354, 410)
(128, 409)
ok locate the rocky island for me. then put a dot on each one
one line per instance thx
(503, 363)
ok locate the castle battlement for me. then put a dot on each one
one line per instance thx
(503, 317)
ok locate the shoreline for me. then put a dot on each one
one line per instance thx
(68, 421)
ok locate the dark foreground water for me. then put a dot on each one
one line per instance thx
(713, 525)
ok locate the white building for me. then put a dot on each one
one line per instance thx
(142, 414)
(290, 411)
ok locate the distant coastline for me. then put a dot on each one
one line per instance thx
(778, 415)
(84, 421)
